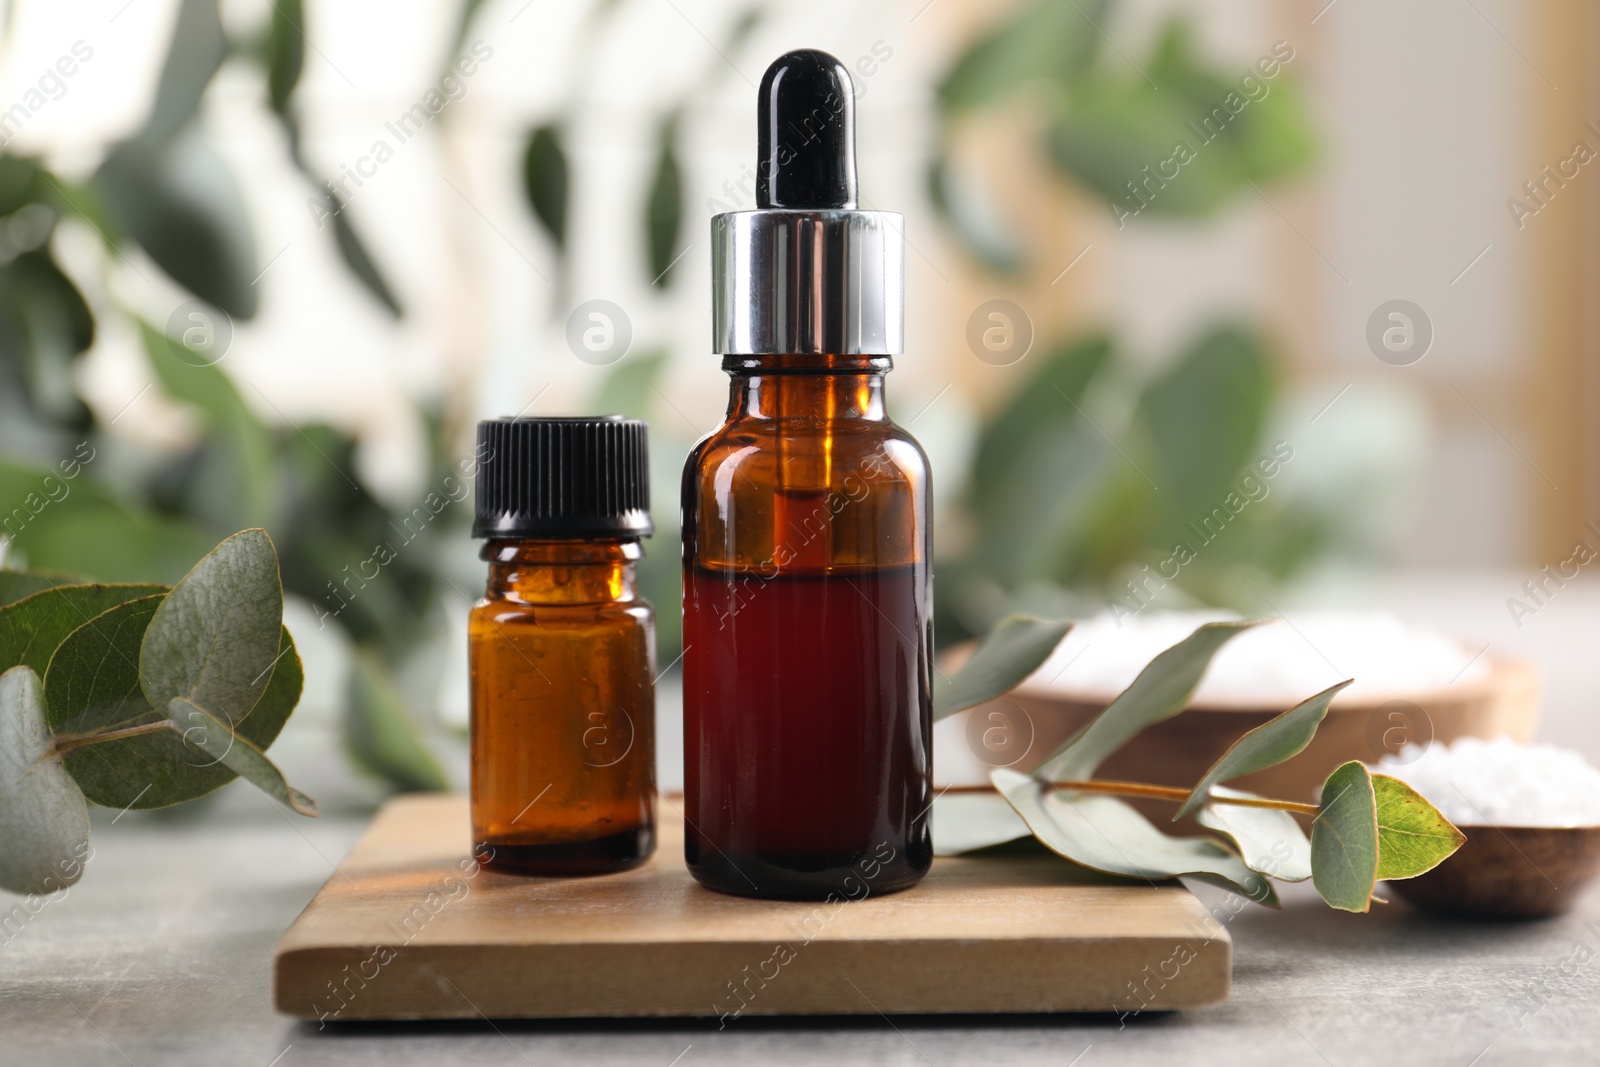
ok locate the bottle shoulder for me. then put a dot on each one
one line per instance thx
(772, 494)
(878, 448)
(493, 615)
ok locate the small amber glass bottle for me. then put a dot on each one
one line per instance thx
(562, 649)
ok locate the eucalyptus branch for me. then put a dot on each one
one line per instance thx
(166, 654)
(1368, 826)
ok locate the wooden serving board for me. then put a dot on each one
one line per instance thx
(410, 928)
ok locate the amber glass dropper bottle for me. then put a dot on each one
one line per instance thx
(807, 590)
(562, 649)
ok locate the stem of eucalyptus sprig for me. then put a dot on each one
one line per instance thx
(68, 742)
(1159, 792)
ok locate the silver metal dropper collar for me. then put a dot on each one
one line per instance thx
(807, 272)
(808, 282)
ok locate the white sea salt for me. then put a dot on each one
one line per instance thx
(1278, 663)
(1501, 783)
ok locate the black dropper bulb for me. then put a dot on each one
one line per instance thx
(807, 132)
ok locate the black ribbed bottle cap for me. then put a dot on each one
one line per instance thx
(563, 478)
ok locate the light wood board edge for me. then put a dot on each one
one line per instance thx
(1185, 962)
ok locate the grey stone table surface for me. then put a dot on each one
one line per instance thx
(161, 955)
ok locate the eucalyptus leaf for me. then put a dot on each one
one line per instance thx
(1265, 140)
(1413, 838)
(1162, 690)
(353, 250)
(544, 180)
(21, 182)
(1177, 138)
(286, 53)
(1344, 839)
(198, 48)
(380, 736)
(1108, 834)
(285, 60)
(469, 10)
(965, 203)
(93, 686)
(14, 585)
(44, 819)
(80, 198)
(35, 279)
(178, 198)
(92, 682)
(336, 522)
(630, 388)
(1013, 649)
(1205, 416)
(211, 735)
(1269, 841)
(214, 640)
(243, 482)
(1049, 399)
(188, 375)
(44, 324)
(1045, 40)
(1277, 139)
(81, 519)
(966, 822)
(664, 207)
(1267, 745)
(31, 628)
(1121, 132)
(1041, 473)
(126, 544)
(1045, 505)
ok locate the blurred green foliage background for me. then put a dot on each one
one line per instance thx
(1058, 510)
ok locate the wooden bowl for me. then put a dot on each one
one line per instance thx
(1509, 872)
(1502, 701)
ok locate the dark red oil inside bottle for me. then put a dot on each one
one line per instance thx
(807, 637)
(808, 708)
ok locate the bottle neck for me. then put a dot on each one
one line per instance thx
(562, 572)
(807, 387)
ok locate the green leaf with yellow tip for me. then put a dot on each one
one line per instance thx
(1413, 838)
